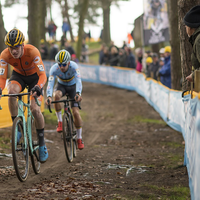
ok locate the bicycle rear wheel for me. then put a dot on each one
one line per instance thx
(20, 150)
(74, 140)
(67, 137)
(35, 144)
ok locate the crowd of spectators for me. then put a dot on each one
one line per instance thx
(114, 56)
(154, 65)
(49, 49)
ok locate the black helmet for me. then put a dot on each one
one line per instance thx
(14, 37)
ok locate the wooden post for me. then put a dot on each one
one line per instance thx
(197, 80)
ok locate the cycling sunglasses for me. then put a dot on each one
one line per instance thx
(60, 65)
(15, 47)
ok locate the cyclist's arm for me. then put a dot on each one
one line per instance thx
(39, 68)
(78, 81)
(3, 73)
(51, 81)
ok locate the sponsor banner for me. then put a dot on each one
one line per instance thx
(155, 22)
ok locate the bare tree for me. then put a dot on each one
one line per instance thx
(83, 12)
(43, 13)
(2, 31)
(33, 21)
(106, 20)
(176, 74)
(185, 47)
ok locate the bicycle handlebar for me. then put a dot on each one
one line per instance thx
(61, 101)
(19, 95)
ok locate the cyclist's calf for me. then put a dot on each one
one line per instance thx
(77, 117)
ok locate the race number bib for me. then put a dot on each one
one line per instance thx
(2, 70)
(41, 68)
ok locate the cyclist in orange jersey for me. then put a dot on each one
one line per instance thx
(28, 71)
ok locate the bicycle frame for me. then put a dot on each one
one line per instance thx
(69, 131)
(21, 150)
(26, 123)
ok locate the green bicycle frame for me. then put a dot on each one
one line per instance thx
(26, 124)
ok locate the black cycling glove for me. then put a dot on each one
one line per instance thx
(0, 91)
(36, 89)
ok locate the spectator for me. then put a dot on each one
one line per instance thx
(54, 31)
(84, 52)
(106, 56)
(53, 50)
(165, 71)
(154, 66)
(149, 60)
(122, 58)
(130, 59)
(112, 44)
(161, 61)
(124, 44)
(69, 48)
(192, 25)
(62, 41)
(113, 56)
(74, 58)
(138, 52)
(50, 29)
(101, 53)
(145, 56)
(65, 27)
(43, 50)
(162, 52)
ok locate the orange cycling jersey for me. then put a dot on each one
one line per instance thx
(30, 63)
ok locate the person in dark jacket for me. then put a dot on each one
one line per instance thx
(101, 54)
(113, 56)
(53, 51)
(165, 71)
(192, 25)
(154, 66)
(122, 58)
(130, 62)
(43, 50)
(69, 48)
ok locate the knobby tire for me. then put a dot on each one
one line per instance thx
(67, 137)
(20, 154)
(35, 144)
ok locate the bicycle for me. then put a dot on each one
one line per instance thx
(69, 130)
(28, 144)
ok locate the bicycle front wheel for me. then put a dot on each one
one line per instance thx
(67, 137)
(35, 145)
(20, 150)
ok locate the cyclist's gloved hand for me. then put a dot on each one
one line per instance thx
(36, 89)
(48, 100)
(78, 97)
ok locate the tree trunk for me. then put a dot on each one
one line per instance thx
(185, 47)
(106, 21)
(43, 13)
(176, 73)
(2, 36)
(68, 20)
(33, 20)
(2, 31)
(83, 12)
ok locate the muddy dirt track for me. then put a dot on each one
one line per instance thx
(130, 153)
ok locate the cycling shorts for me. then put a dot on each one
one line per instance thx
(25, 81)
(70, 90)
